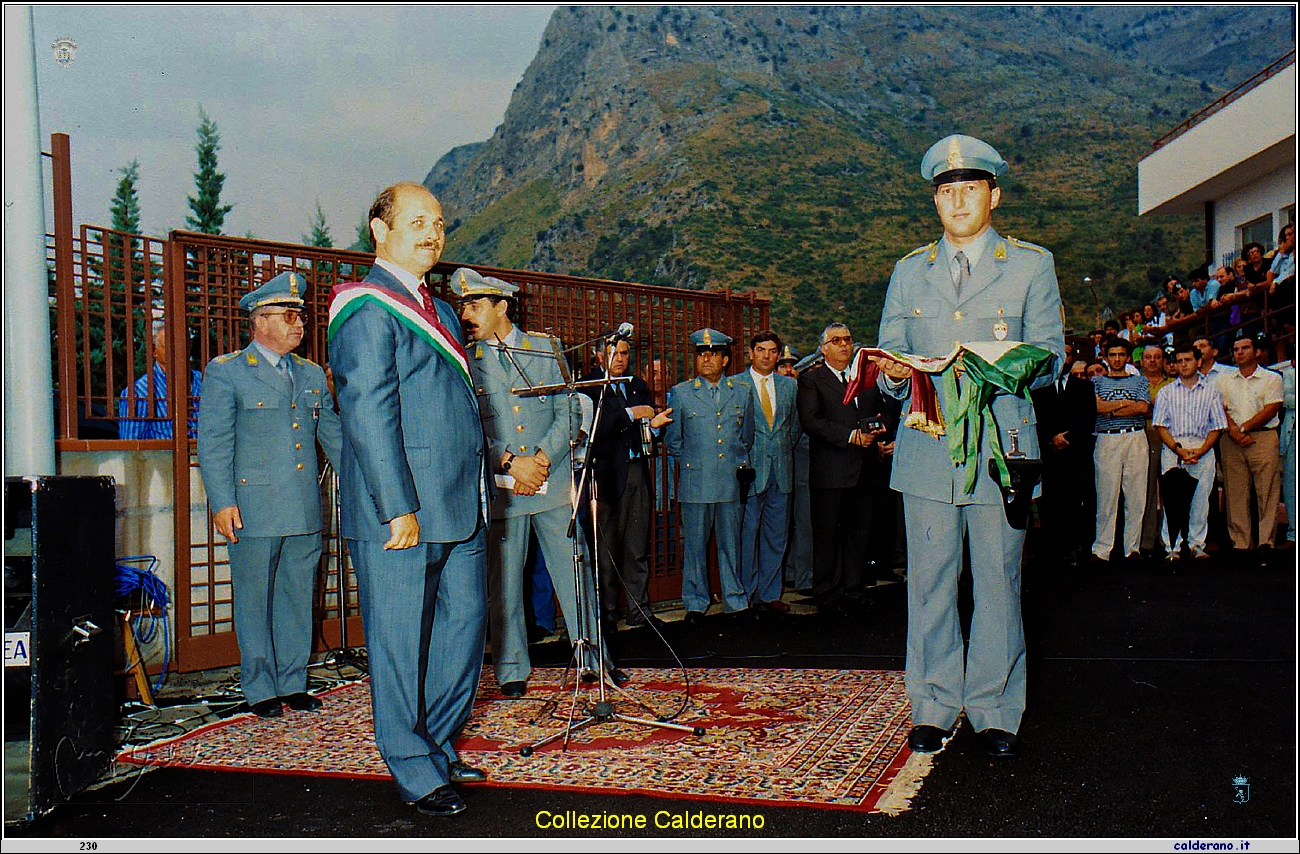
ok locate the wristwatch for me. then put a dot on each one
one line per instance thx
(510, 459)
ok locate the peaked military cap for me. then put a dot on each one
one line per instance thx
(469, 284)
(788, 354)
(288, 288)
(710, 339)
(961, 158)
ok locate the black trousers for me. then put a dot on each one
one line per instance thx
(624, 548)
(841, 529)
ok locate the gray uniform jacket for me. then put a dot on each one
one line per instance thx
(1012, 292)
(257, 445)
(710, 441)
(521, 424)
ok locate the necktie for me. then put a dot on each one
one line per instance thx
(504, 358)
(286, 375)
(963, 270)
(426, 297)
(766, 400)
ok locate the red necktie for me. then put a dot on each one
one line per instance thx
(427, 298)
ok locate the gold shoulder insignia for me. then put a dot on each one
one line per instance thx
(918, 250)
(697, 382)
(221, 360)
(1000, 251)
(251, 357)
(478, 348)
(1023, 245)
(729, 383)
(299, 360)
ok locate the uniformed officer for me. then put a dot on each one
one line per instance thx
(528, 453)
(710, 436)
(971, 285)
(264, 410)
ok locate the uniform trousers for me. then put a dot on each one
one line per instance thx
(762, 542)
(1122, 461)
(989, 682)
(507, 549)
(723, 519)
(272, 580)
(424, 616)
(1288, 487)
(1198, 523)
(1246, 469)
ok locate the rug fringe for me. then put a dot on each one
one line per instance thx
(905, 785)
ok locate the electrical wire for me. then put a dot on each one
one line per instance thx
(152, 619)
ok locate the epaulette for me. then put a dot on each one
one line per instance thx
(1023, 245)
(221, 360)
(301, 361)
(918, 250)
(544, 335)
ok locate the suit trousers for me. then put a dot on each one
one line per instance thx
(1122, 461)
(798, 560)
(1198, 520)
(1246, 469)
(990, 685)
(507, 549)
(723, 518)
(424, 616)
(272, 579)
(622, 549)
(1153, 528)
(766, 518)
(841, 527)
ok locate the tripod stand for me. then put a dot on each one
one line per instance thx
(589, 642)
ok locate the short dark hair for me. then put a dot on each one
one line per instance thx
(382, 207)
(765, 335)
(1188, 348)
(1117, 342)
(1245, 250)
(1243, 335)
(1108, 325)
(1199, 274)
(1282, 234)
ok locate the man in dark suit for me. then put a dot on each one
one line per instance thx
(413, 498)
(1066, 411)
(621, 472)
(842, 468)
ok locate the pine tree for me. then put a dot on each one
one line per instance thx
(320, 232)
(209, 213)
(125, 209)
(365, 239)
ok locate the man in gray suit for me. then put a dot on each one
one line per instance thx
(528, 452)
(766, 512)
(710, 436)
(264, 410)
(972, 285)
(414, 498)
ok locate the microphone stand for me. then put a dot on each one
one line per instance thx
(603, 710)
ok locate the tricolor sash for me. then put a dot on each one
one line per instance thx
(988, 367)
(347, 298)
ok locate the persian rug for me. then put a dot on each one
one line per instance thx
(820, 738)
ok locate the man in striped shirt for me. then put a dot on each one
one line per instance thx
(1123, 401)
(134, 400)
(1189, 418)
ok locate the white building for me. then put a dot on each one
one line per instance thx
(1234, 161)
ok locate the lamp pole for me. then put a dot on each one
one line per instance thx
(1096, 303)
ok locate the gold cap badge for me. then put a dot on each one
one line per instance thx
(955, 160)
(708, 339)
(293, 285)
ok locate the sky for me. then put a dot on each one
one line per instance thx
(330, 103)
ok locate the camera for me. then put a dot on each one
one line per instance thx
(871, 424)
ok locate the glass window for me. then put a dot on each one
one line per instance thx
(1259, 231)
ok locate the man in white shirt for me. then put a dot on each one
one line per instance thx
(1252, 396)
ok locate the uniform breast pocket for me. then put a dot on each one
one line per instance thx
(1001, 327)
(250, 403)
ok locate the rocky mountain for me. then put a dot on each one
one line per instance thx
(777, 149)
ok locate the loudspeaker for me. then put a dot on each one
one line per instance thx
(59, 704)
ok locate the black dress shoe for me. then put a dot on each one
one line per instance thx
(927, 739)
(694, 618)
(302, 702)
(462, 773)
(514, 690)
(619, 677)
(442, 801)
(267, 708)
(999, 743)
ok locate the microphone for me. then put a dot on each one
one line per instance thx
(624, 332)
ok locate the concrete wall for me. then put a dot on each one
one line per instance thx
(1271, 193)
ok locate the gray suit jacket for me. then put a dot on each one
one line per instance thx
(1014, 283)
(257, 444)
(412, 442)
(773, 453)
